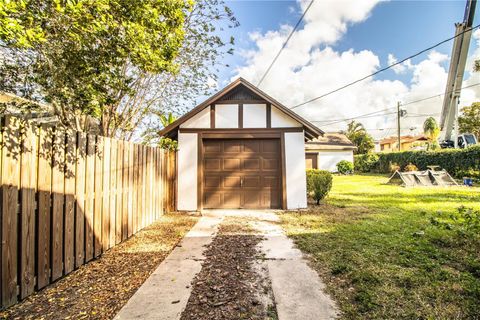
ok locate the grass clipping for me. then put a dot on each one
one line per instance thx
(233, 282)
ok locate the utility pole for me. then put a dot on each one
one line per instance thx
(398, 126)
(400, 113)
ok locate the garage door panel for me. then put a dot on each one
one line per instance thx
(231, 164)
(252, 146)
(242, 173)
(270, 164)
(251, 164)
(232, 200)
(232, 146)
(232, 182)
(251, 182)
(271, 199)
(212, 164)
(212, 199)
(270, 182)
(212, 181)
(252, 200)
(212, 146)
(270, 148)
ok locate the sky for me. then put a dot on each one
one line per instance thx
(342, 40)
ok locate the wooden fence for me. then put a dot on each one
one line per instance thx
(66, 197)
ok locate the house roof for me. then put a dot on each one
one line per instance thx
(330, 141)
(311, 131)
(404, 139)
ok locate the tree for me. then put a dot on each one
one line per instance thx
(469, 121)
(432, 131)
(83, 56)
(198, 61)
(359, 137)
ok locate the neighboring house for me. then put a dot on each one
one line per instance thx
(326, 151)
(406, 143)
(14, 105)
(241, 149)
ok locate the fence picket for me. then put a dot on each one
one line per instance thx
(89, 197)
(69, 214)
(80, 199)
(98, 201)
(10, 184)
(27, 225)
(58, 191)
(118, 193)
(44, 205)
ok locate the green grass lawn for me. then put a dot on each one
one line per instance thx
(388, 252)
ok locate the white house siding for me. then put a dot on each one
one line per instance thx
(187, 169)
(295, 170)
(280, 120)
(200, 120)
(254, 116)
(327, 160)
(226, 116)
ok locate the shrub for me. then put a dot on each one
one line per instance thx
(410, 167)
(393, 167)
(365, 162)
(319, 183)
(455, 161)
(345, 167)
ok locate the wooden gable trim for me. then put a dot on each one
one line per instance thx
(311, 131)
(240, 115)
(269, 115)
(212, 116)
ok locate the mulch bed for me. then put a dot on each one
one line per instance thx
(99, 289)
(232, 283)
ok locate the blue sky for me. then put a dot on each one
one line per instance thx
(398, 28)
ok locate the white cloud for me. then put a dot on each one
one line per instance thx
(309, 67)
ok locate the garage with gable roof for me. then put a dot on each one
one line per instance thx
(241, 149)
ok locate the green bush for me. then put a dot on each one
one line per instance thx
(345, 167)
(319, 183)
(365, 162)
(455, 161)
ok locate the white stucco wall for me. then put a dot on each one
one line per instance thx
(198, 121)
(281, 120)
(254, 116)
(295, 170)
(187, 171)
(226, 116)
(327, 160)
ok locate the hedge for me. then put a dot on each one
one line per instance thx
(458, 162)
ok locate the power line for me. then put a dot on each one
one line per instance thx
(356, 117)
(285, 43)
(403, 104)
(438, 95)
(386, 68)
(362, 117)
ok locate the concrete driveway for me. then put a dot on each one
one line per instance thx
(297, 289)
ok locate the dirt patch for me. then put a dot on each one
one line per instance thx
(233, 282)
(99, 289)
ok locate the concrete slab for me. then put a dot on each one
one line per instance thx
(298, 290)
(166, 292)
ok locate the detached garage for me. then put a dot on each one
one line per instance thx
(241, 149)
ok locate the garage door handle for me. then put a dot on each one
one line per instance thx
(241, 182)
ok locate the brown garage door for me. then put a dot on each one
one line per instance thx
(241, 173)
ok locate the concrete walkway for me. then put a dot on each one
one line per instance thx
(297, 289)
